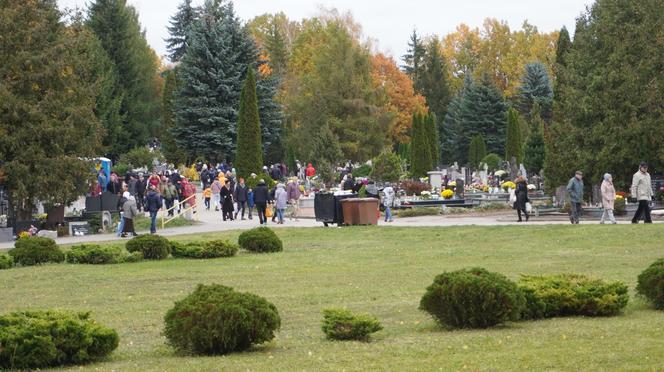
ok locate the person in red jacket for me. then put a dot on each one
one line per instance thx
(311, 171)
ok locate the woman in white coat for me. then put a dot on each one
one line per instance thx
(608, 199)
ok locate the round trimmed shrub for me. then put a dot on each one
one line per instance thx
(41, 339)
(6, 261)
(154, 247)
(260, 240)
(94, 254)
(472, 298)
(36, 250)
(341, 324)
(571, 294)
(651, 283)
(133, 257)
(215, 319)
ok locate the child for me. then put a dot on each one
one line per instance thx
(207, 193)
(250, 201)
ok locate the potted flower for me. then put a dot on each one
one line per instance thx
(619, 207)
(447, 194)
(507, 185)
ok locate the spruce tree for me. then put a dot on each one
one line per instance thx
(420, 147)
(435, 87)
(414, 61)
(135, 65)
(513, 144)
(249, 156)
(180, 23)
(432, 138)
(535, 88)
(477, 151)
(172, 152)
(453, 136)
(534, 152)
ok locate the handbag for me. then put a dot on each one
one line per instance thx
(268, 211)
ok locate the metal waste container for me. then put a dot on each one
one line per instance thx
(363, 211)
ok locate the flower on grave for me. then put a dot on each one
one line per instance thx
(619, 197)
(451, 184)
(447, 194)
(508, 185)
(23, 235)
(500, 173)
(532, 187)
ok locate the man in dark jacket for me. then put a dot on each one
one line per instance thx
(240, 195)
(153, 205)
(140, 192)
(349, 183)
(575, 191)
(261, 198)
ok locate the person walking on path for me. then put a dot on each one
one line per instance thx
(226, 202)
(250, 202)
(388, 200)
(216, 194)
(153, 206)
(261, 198)
(608, 199)
(170, 193)
(121, 202)
(293, 191)
(207, 195)
(130, 212)
(521, 193)
(642, 191)
(281, 201)
(240, 195)
(575, 192)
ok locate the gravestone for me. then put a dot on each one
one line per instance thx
(47, 234)
(436, 179)
(79, 228)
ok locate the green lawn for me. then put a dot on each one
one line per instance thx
(382, 271)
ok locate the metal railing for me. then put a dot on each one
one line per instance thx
(164, 216)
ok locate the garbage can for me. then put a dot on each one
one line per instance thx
(351, 212)
(368, 211)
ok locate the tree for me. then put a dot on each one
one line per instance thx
(432, 139)
(492, 161)
(535, 89)
(49, 91)
(534, 152)
(413, 60)
(420, 147)
(476, 151)
(563, 47)
(180, 23)
(386, 167)
(172, 152)
(435, 87)
(514, 142)
(135, 66)
(249, 157)
(453, 136)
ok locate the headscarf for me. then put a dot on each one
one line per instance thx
(126, 194)
(607, 176)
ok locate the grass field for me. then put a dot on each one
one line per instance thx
(382, 271)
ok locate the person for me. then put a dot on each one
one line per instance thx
(207, 194)
(170, 193)
(153, 206)
(130, 212)
(349, 182)
(521, 194)
(293, 191)
(132, 185)
(114, 186)
(140, 192)
(388, 200)
(240, 195)
(273, 192)
(205, 177)
(281, 201)
(575, 192)
(121, 202)
(101, 180)
(608, 199)
(642, 190)
(226, 202)
(311, 171)
(261, 199)
(250, 202)
(216, 190)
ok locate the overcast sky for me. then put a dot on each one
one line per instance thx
(388, 22)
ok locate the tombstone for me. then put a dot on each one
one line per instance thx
(436, 179)
(79, 228)
(597, 194)
(523, 172)
(47, 234)
(467, 175)
(459, 187)
(561, 196)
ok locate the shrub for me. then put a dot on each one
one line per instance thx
(415, 187)
(387, 167)
(419, 211)
(133, 257)
(472, 298)
(363, 171)
(154, 247)
(216, 319)
(6, 261)
(492, 161)
(341, 324)
(40, 339)
(569, 294)
(211, 249)
(94, 254)
(36, 250)
(260, 240)
(651, 283)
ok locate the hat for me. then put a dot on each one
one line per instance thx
(126, 194)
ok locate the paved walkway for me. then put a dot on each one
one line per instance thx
(210, 221)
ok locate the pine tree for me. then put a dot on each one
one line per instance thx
(50, 86)
(414, 61)
(535, 88)
(435, 87)
(452, 131)
(476, 151)
(180, 23)
(249, 156)
(513, 144)
(172, 152)
(534, 152)
(433, 139)
(276, 47)
(563, 47)
(135, 65)
(420, 147)
(271, 118)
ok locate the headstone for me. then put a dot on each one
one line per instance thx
(484, 177)
(561, 195)
(523, 172)
(6, 234)
(48, 234)
(436, 179)
(79, 228)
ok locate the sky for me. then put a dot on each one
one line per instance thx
(388, 23)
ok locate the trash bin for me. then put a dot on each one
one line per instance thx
(328, 209)
(368, 211)
(351, 212)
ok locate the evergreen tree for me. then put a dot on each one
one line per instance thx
(563, 47)
(534, 152)
(535, 89)
(452, 131)
(135, 65)
(180, 23)
(420, 147)
(172, 152)
(50, 86)
(476, 151)
(414, 61)
(271, 118)
(435, 87)
(433, 139)
(249, 157)
(514, 142)
(276, 48)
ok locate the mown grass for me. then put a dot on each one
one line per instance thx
(382, 271)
